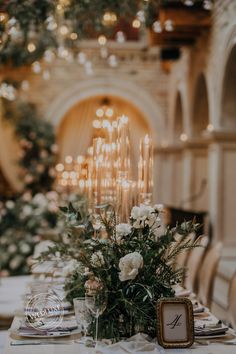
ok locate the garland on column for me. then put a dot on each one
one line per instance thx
(30, 214)
(37, 141)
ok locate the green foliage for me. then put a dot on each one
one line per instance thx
(131, 303)
(37, 142)
(29, 20)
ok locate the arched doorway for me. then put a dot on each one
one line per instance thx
(178, 129)
(225, 154)
(228, 115)
(76, 131)
(198, 150)
(200, 118)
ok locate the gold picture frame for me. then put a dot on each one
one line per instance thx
(175, 323)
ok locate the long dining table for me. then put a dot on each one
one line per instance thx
(139, 344)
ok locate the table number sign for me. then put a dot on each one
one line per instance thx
(175, 324)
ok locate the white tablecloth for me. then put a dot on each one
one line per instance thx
(136, 345)
(11, 291)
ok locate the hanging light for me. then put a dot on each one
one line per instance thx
(36, 67)
(136, 23)
(31, 47)
(168, 25)
(120, 37)
(102, 40)
(157, 27)
(109, 18)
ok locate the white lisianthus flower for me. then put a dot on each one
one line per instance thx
(40, 200)
(25, 248)
(143, 215)
(97, 259)
(159, 207)
(122, 230)
(129, 266)
(27, 210)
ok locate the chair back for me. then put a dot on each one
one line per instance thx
(207, 274)
(194, 262)
(232, 303)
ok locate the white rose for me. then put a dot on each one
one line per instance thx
(159, 207)
(26, 197)
(97, 259)
(143, 215)
(10, 204)
(15, 262)
(122, 230)
(40, 200)
(25, 248)
(12, 248)
(129, 266)
(27, 210)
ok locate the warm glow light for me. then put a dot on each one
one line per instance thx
(210, 127)
(65, 175)
(73, 36)
(146, 139)
(64, 30)
(73, 174)
(97, 124)
(80, 159)
(31, 47)
(109, 112)
(136, 23)
(99, 112)
(102, 40)
(59, 167)
(3, 17)
(124, 119)
(183, 137)
(68, 159)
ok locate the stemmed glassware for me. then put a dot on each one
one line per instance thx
(82, 315)
(96, 303)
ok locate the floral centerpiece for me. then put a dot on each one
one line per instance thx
(133, 262)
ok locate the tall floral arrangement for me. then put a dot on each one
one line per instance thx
(134, 263)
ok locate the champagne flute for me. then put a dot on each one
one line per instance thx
(82, 315)
(96, 303)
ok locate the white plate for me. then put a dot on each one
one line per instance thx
(51, 335)
(215, 336)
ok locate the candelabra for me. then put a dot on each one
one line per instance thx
(104, 175)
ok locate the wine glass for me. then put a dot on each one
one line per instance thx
(82, 315)
(96, 303)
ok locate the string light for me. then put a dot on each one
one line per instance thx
(136, 23)
(157, 27)
(120, 37)
(36, 67)
(102, 40)
(31, 47)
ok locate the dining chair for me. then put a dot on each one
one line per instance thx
(207, 274)
(181, 259)
(194, 262)
(232, 303)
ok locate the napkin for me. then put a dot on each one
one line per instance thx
(138, 344)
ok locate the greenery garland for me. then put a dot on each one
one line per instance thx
(38, 22)
(38, 147)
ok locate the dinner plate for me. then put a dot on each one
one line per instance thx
(214, 336)
(48, 335)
